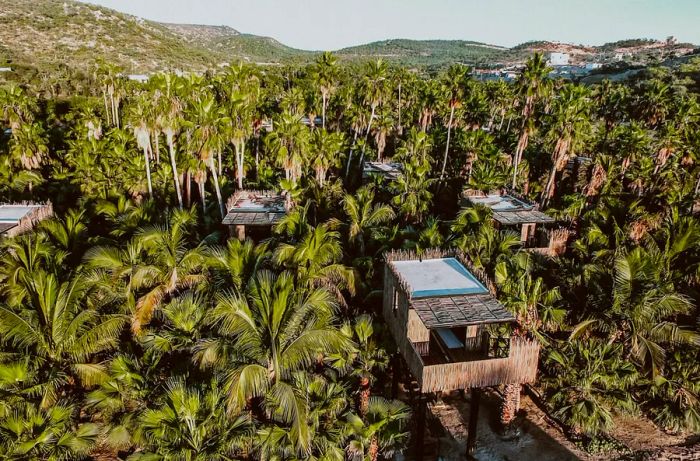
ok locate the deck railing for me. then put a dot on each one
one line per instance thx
(520, 366)
(414, 361)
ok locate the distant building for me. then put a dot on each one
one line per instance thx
(255, 211)
(141, 78)
(5, 69)
(559, 59)
(389, 170)
(593, 65)
(510, 211)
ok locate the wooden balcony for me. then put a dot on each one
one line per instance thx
(437, 372)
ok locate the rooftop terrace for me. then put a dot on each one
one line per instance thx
(438, 277)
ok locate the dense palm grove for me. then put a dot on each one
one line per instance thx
(131, 324)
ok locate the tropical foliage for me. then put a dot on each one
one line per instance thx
(131, 324)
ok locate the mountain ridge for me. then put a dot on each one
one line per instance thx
(52, 33)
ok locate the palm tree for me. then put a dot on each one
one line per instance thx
(170, 114)
(364, 360)
(316, 260)
(640, 309)
(364, 215)
(206, 137)
(454, 85)
(374, 86)
(28, 146)
(570, 127)
(326, 75)
(236, 264)
(533, 86)
(382, 431)
(265, 336)
(193, 424)
(325, 149)
(51, 433)
(588, 380)
(288, 144)
(171, 265)
(242, 89)
(59, 331)
(140, 117)
(412, 190)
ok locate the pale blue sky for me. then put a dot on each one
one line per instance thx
(333, 24)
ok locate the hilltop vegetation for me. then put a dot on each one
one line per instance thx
(435, 53)
(49, 34)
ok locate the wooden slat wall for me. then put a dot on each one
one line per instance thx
(519, 367)
(397, 322)
(31, 219)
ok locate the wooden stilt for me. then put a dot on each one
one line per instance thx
(420, 426)
(473, 420)
(395, 375)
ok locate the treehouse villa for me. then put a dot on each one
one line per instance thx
(514, 212)
(18, 218)
(388, 170)
(253, 213)
(444, 319)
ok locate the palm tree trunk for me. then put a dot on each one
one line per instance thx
(400, 126)
(107, 114)
(239, 147)
(215, 177)
(202, 195)
(323, 110)
(374, 449)
(510, 404)
(188, 189)
(549, 189)
(156, 135)
(173, 165)
(148, 171)
(447, 147)
(364, 146)
(352, 149)
(365, 392)
(522, 145)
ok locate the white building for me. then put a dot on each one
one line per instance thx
(141, 78)
(5, 69)
(559, 59)
(593, 65)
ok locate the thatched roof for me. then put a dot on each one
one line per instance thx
(510, 218)
(390, 170)
(460, 311)
(508, 208)
(254, 208)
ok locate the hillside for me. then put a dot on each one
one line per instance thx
(429, 52)
(47, 34)
(230, 44)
